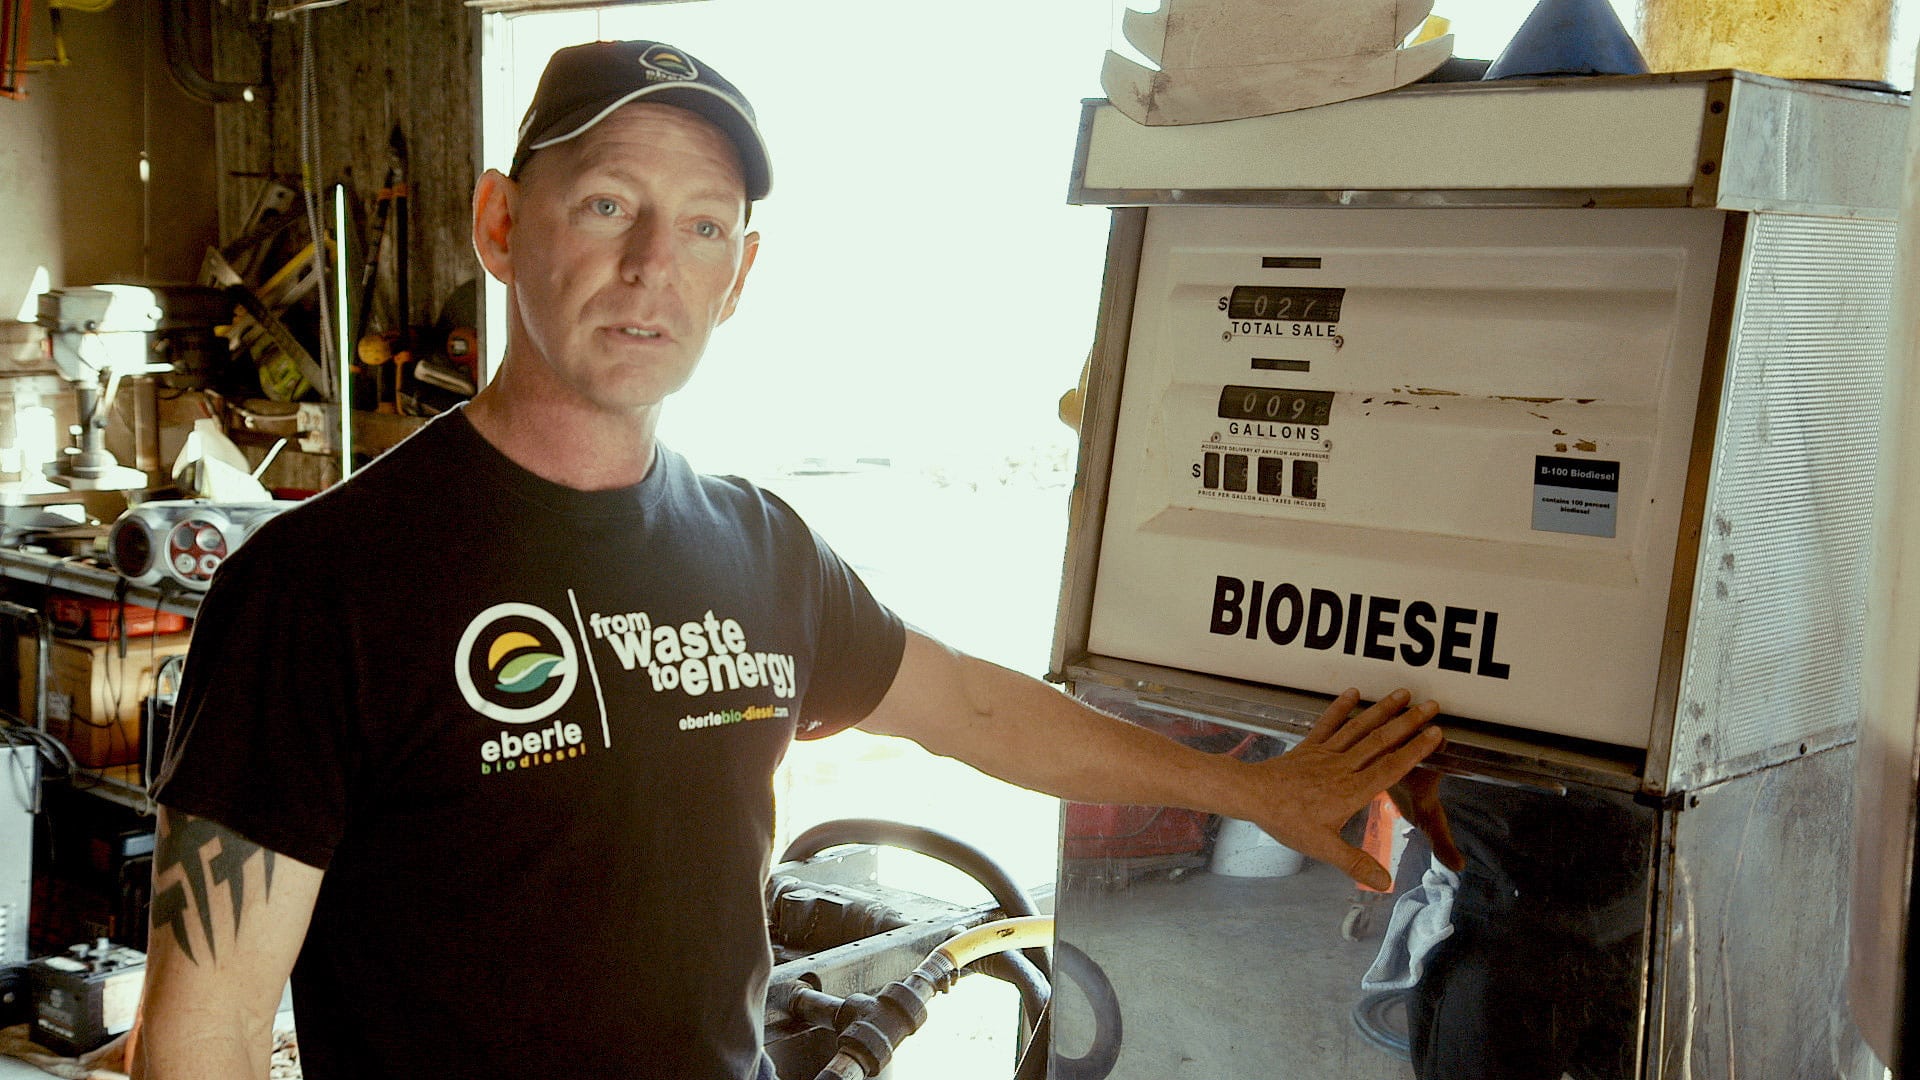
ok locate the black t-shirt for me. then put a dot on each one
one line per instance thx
(529, 732)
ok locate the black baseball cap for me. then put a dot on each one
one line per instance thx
(583, 84)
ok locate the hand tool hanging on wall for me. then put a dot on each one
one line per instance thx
(446, 355)
(375, 352)
(378, 383)
(297, 279)
(270, 215)
(403, 305)
(366, 386)
(370, 273)
(286, 369)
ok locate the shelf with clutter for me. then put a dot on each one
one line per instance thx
(110, 385)
(146, 430)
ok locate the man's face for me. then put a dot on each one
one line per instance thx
(627, 247)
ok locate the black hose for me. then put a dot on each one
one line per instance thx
(1018, 970)
(1072, 964)
(823, 1010)
(186, 75)
(951, 850)
(1381, 1018)
(1033, 1060)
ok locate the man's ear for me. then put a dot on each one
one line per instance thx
(495, 201)
(749, 250)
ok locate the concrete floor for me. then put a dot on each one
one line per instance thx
(1223, 976)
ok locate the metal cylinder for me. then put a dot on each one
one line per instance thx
(1792, 39)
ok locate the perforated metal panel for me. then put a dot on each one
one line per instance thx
(19, 776)
(1774, 642)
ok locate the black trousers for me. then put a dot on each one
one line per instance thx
(1504, 1001)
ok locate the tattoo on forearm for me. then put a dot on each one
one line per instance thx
(183, 844)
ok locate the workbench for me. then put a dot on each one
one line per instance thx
(75, 575)
(78, 576)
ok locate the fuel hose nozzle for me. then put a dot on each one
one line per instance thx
(871, 1026)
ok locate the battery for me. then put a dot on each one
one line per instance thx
(84, 998)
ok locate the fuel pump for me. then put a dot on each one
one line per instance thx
(1558, 402)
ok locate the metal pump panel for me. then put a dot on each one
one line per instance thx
(1558, 402)
(1439, 447)
(1591, 461)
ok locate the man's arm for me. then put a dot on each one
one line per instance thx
(1025, 732)
(228, 919)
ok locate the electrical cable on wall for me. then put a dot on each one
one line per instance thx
(198, 85)
(146, 155)
(143, 780)
(288, 11)
(15, 731)
(309, 189)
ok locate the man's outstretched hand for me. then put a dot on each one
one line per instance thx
(1309, 793)
(1025, 732)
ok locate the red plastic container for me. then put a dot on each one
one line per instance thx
(99, 620)
(1098, 831)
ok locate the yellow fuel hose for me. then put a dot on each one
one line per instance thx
(1002, 935)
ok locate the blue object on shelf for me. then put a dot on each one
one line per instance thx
(1570, 37)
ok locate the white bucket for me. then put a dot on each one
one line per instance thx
(1243, 849)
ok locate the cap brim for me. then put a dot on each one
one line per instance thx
(699, 98)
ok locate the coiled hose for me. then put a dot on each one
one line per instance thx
(951, 850)
(872, 1026)
(1072, 964)
(989, 947)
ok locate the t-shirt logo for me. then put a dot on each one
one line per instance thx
(516, 663)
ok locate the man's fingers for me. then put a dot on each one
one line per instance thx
(1388, 769)
(1418, 797)
(1385, 734)
(1326, 846)
(1362, 868)
(1375, 748)
(1360, 726)
(1440, 837)
(1335, 715)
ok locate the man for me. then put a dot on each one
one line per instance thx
(478, 746)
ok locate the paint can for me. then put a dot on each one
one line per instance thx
(1243, 849)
